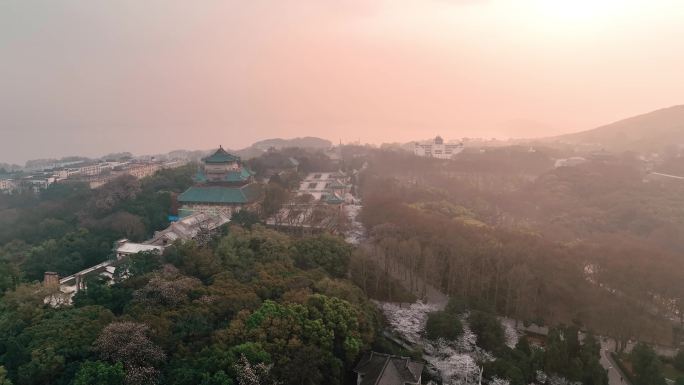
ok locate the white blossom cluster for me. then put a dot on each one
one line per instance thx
(455, 368)
(512, 333)
(129, 343)
(467, 342)
(408, 320)
(168, 288)
(455, 361)
(545, 379)
(498, 381)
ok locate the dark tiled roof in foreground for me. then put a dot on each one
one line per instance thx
(221, 156)
(221, 194)
(384, 369)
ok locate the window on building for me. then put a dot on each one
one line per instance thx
(313, 185)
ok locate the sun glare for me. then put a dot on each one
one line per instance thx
(581, 11)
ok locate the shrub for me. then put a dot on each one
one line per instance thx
(441, 324)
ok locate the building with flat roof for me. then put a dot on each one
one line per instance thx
(436, 148)
(223, 185)
(188, 228)
(125, 248)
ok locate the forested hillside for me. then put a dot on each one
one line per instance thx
(592, 245)
(254, 304)
(69, 227)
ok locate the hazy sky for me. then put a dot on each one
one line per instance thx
(89, 77)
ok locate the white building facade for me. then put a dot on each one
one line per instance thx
(436, 148)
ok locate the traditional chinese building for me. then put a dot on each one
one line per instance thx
(223, 185)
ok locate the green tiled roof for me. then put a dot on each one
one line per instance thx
(231, 176)
(221, 156)
(221, 194)
(200, 177)
(238, 176)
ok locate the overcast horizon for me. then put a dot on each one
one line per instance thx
(88, 78)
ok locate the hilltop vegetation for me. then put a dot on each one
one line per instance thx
(199, 315)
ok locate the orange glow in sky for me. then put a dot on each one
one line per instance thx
(84, 77)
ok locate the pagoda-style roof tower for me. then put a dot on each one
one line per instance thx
(221, 156)
(223, 168)
(222, 182)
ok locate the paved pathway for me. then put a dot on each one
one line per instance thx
(615, 376)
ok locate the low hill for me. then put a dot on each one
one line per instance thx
(649, 132)
(305, 142)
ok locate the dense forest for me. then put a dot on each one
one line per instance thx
(593, 245)
(199, 315)
(69, 227)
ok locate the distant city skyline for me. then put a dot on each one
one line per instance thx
(88, 78)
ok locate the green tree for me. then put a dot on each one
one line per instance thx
(490, 334)
(245, 218)
(308, 343)
(678, 361)
(242, 248)
(326, 251)
(274, 198)
(441, 324)
(43, 368)
(456, 305)
(648, 369)
(99, 291)
(141, 263)
(100, 373)
(9, 276)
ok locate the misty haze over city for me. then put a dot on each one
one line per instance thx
(318, 192)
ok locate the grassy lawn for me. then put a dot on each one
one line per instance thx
(670, 372)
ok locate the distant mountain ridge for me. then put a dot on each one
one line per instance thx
(650, 132)
(304, 142)
(258, 148)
